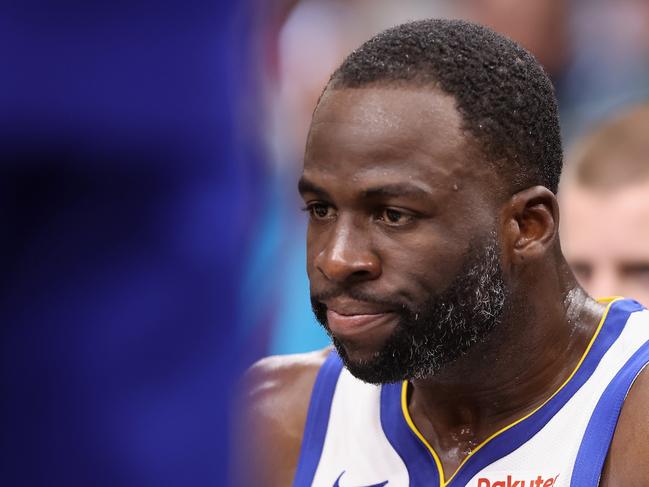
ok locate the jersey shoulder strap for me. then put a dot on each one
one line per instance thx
(603, 421)
(317, 419)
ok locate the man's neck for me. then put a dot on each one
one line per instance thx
(532, 353)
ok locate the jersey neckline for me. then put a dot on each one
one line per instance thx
(422, 461)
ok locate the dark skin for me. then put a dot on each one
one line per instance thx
(396, 190)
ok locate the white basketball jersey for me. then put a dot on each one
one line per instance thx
(361, 435)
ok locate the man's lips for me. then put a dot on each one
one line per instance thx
(347, 325)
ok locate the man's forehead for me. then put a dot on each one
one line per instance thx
(596, 222)
(387, 106)
(411, 171)
(409, 129)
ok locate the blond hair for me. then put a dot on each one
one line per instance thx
(613, 155)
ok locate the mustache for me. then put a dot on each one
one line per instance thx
(356, 295)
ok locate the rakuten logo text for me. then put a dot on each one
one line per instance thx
(512, 482)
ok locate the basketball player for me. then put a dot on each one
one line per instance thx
(465, 351)
(608, 181)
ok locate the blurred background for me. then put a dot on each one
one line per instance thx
(152, 241)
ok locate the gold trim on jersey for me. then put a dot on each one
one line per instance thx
(442, 478)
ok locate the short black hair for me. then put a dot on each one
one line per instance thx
(506, 99)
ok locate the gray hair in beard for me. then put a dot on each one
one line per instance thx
(444, 328)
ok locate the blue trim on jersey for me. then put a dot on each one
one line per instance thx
(599, 432)
(418, 460)
(420, 464)
(317, 420)
(517, 435)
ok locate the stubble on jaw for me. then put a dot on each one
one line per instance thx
(440, 331)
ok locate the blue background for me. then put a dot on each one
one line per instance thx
(127, 203)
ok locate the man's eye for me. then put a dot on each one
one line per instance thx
(394, 217)
(637, 271)
(320, 211)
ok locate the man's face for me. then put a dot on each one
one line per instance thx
(605, 238)
(402, 251)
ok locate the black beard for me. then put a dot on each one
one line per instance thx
(443, 329)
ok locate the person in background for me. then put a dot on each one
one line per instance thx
(605, 207)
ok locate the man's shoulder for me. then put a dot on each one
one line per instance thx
(282, 379)
(628, 459)
(272, 409)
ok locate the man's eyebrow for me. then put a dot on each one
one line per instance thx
(386, 190)
(395, 190)
(638, 265)
(306, 186)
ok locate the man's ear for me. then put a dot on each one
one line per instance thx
(530, 224)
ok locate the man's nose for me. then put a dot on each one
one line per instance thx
(348, 256)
